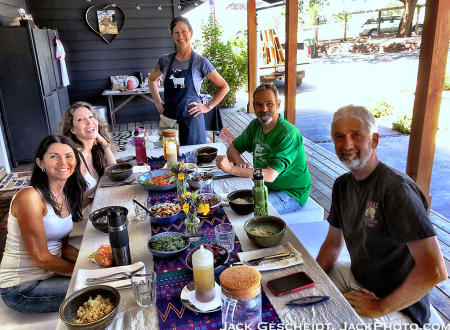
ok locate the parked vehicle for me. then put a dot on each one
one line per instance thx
(388, 24)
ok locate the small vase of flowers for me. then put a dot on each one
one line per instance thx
(192, 204)
(181, 172)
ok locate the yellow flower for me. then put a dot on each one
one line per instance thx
(200, 208)
(205, 209)
(182, 165)
(180, 176)
(185, 207)
(186, 194)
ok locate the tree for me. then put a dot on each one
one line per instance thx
(311, 8)
(404, 29)
(229, 58)
(343, 16)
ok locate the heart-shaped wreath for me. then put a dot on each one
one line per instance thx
(91, 17)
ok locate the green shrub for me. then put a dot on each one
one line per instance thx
(402, 124)
(381, 109)
(230, 60)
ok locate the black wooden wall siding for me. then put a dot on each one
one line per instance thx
(8, 10)
(91, 61)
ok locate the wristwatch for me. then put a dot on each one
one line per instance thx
(209, 106)
(106, 146)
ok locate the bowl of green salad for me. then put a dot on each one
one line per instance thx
(168, 244)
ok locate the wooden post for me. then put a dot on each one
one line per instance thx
(430, 78)
(379, 23)
(416, 28)
(345, 27)
(316, 37)
(252, 52)
(290, 69)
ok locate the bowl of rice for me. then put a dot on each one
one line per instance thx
(93, 307)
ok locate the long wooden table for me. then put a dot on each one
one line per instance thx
(333, 313)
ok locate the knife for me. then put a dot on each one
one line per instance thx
(307, 301)
(275, 256)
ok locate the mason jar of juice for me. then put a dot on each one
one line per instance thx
(203, 268)
(170, 135)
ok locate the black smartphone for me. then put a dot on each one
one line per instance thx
(290, 283)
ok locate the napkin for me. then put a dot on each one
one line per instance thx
(83, 274)
(204, 307)
(140, 169)
(270, 265)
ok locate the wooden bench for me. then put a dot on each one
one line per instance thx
(12, 320)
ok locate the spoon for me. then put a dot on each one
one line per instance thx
(149, 170)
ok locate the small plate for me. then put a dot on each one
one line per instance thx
(134, 80)
(191, 287)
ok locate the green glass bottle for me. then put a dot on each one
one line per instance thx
(260, 194)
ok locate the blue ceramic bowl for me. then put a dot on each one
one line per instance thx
(164, 221)
(144, 179)
(167, 254)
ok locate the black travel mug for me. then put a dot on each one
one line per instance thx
(118, 238)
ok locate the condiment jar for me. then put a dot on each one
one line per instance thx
(241, 297)
(203, 269)
(171, 135)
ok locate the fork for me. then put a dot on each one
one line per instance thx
(113, 277)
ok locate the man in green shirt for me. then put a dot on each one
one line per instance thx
(277, 148)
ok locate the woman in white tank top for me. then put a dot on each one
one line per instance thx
(83, 125)
(38, 261)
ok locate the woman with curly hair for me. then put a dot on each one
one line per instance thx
(90, 132)
(38, 261)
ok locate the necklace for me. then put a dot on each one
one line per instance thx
(57, 198)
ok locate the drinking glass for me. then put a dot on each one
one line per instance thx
(141, 214)
(144, 288)
(191, 157)
(206, 186)
(225, 236)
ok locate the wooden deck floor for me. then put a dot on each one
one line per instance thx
(324, 167)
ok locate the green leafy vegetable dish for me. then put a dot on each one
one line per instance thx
(168, 243)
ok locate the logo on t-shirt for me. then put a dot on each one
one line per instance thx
(369, 214)
(259, 150)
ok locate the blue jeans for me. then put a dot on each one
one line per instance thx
(283, 203)
(43, 296)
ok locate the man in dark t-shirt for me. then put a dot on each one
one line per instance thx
(381, 215)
